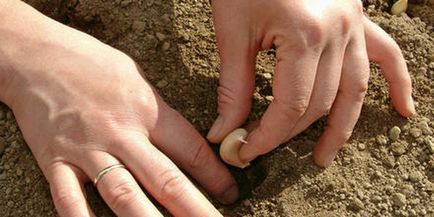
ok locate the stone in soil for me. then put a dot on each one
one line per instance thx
(162, 83)
(429, 141)
(356, 205)
(399, 200)
(394, 133)
(398, 148)
(166, 46)
(415, 132)
(381, 140)
(138, 26)
(423, 125)
(415, 176)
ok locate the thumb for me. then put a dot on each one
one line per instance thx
(238, 51)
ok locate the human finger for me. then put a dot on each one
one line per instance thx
(325, 88)
(238, 52)
(66, 184)
(161, 178)
(292, 87)
(118, 187)
(191, 152)
(347, 106)
(383, 50)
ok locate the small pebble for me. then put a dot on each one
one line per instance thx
(269, 98)
(399, 199)
(166, 46)
(412, 212)
(415, 176)
(361, 146)
(381, 140)
(138, 26)
(423, 125)
(388, 160)
(398, 148)
(407, 189)
(429, 186)
(162, 83)
(376, 199)
(160, 36)
(429, 141)
(267, 76)
(378, 174)
(19, 172)
(246, 203)
(356, 205)
(10, 203)
(415, 132)
(2, 176)
(394, 133)
(126, 3)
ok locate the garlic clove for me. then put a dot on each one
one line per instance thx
(230, 148)
(399, 7)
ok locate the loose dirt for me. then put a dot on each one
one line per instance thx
(386, 169)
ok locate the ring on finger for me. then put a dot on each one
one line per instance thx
(106, 170)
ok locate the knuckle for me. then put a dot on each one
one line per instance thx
(346, 24)
(65, 198)
(314, 33)
(201, 154)
(121, 195)
(359, 89)
(173, 185)
(226, 96)
(291, 109)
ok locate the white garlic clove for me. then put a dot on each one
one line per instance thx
(230, 148)
(399, 7)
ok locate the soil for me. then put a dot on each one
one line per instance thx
(386, 169)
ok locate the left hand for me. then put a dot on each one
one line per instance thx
(322, 50)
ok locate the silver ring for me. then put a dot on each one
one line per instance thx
(105, 171)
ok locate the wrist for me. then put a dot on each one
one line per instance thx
(30, 45)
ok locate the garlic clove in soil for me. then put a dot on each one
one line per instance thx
(230, 148)
(399, 7)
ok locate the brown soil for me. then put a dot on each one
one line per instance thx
(174, 43)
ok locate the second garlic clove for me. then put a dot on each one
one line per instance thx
(230, 148)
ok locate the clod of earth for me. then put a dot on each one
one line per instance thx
(230, 148)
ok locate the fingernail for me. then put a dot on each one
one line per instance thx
(412, 108)
(215, 129)
(231, 195)
(328, 159)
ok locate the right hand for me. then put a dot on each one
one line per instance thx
(82, 106)
(322, 67)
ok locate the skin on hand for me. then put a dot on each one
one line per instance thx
(83, 106)
(322, 50)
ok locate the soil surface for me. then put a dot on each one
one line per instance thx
(386, 169)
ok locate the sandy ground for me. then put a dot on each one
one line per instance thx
(377, 174)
